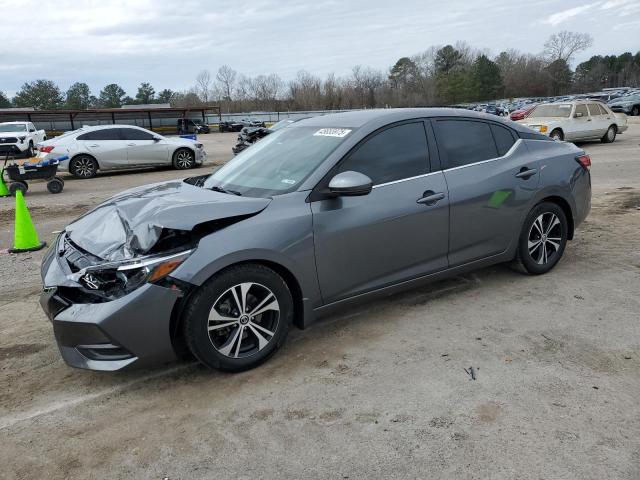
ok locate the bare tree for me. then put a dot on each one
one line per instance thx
(203, 85)
(564, 45)
(226, 79)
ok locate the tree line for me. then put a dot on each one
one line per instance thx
(440, 75)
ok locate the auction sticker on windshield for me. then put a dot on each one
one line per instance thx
(332, 132)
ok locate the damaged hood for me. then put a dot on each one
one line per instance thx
(129, 224)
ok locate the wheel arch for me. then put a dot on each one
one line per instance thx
(290, 279)
(182, 147)
(566, 208)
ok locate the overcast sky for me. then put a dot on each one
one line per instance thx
(168, 42)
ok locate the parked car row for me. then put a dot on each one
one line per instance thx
(110, 147)
(238, 125)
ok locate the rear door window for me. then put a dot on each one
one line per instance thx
(394, 154)
(462, 142)
(103, 134)
(135, 134)
(603, 110)
(503, 137)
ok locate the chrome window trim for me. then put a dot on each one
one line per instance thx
(405, 179)
(508, 154)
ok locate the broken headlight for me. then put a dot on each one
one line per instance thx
(116, 279)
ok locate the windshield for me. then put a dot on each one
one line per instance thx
(278, 163)
(551, 110)
(281, 124)
(12, 127)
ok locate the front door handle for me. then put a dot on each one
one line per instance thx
(131, 144)
(94, 146)
(430, 197)
(526, 173)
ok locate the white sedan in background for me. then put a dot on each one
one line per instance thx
(576, 120)
(112, 147)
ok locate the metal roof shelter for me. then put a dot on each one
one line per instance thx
(76, 118)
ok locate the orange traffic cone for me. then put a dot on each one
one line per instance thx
(25, 235)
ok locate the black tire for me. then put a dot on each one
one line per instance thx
(538, 260)
(557, 135)
(635, 111)
(610, 135)
(55, 185)
(208, 345)
(28, 153)
(83, 166)
(183, 159)
(19, 185)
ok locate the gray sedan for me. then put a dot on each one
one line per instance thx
(322, 214)
(110, 147)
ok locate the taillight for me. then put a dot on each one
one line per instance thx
(47, 149)
(585, 161)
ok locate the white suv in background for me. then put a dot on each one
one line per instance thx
(577, 120)
(120, 146)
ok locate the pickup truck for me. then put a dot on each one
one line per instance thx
(20, 138)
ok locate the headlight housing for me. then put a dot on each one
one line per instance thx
(116, 279)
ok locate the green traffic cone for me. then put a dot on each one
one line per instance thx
(4, 191)
(25, 235)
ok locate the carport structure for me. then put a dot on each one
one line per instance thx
(157, 119)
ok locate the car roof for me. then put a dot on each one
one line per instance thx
(382, 116)
(14, 123)
(88, 128)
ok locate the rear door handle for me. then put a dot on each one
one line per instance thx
(131, 144)
(94, 146)
(526, 173)
(430, 198)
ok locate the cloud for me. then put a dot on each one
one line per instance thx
(564, 15)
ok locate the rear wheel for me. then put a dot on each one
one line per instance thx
(543, 238)
(83, 166)
(184, 159)
(610, 136)
(557, 135)
(55, 185)
(19, 185)
(238, 319)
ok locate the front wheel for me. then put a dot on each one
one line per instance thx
(635, 111)
(239, 318)
(610, 136)
(28, 153)
(543, 238)
(184, 159)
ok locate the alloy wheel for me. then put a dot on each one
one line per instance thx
(611, 134)
(83, 167)
(243, 320)
(184, 159)
(545, 238)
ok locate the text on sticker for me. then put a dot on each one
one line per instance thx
(332, 132)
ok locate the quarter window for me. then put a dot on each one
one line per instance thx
(464, 141)
(103, 134)
(503, 137)
(393, 154)
(603, 110)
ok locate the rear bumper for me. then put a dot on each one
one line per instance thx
(131, 330)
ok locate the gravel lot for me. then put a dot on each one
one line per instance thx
(376, 392)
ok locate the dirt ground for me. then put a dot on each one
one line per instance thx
(376, 392)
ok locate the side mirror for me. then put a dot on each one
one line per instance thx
(156, 139)
(578, 115)
(350, 184)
